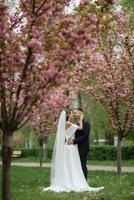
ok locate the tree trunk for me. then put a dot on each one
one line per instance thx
(6, 165)
(41, 154)
(45, 149)
(119, 154)
(97, 137)
(30, 140)
(109, 138)
(79, 99)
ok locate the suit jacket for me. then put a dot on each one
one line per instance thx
(82, 138)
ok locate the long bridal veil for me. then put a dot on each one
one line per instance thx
(57, 158)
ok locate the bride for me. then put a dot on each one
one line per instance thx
(66, 170)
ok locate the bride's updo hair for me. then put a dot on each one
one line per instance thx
(67, 114)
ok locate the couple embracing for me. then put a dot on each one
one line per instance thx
(68, 167)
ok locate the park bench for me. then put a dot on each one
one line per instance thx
(16, 154)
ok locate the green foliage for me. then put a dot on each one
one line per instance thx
(108, 152)
(98, 117)
(30, 152)
(128, 5)
(128, 152)
(28, 182)
(102, 152)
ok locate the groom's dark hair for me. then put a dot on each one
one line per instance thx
(80, 109)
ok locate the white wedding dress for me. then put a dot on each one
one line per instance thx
(66, 170)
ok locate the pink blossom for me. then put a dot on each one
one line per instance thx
(14, 19)
(57, 63)
(65, 31)
(3, 6)
(18, 57)
(35, 43)
(36, 33)
(67, 21)
(121, 17)
(93, 19)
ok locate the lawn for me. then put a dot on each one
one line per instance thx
(129, 163)
(27, 184)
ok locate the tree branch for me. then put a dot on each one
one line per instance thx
(22, 2)
(43, 3)
(24, 123)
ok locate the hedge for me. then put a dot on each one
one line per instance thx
(102, 153)
(108, 152)
(97, 152)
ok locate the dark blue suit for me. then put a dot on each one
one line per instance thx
(82, 139)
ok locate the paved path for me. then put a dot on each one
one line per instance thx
(90, 167)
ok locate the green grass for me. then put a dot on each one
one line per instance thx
(27, 183)
(29, 159)
(128, 163)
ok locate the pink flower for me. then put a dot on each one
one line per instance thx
(7, 36)
(93, 19)
(14, 19)
(35, 33)
(57, 63)
(68, 21)
(121, 17)
(3, 6)
(35, 43)
(65, 31)
(18, 57)
(50, 73)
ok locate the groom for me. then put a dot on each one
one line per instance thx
(82, 139)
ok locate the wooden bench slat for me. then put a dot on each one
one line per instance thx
(16, 153)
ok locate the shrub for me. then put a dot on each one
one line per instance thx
(30, 152)
(108, 152)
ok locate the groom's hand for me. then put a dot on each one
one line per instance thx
(70, 141)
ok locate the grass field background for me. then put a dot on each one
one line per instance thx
(27, 183)
(129, 163)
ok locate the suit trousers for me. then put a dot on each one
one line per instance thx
(83, 158)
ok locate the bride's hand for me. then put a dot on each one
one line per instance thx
(70, 116)
(82, 116)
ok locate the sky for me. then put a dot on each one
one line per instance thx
(70, 9)
(73, 4)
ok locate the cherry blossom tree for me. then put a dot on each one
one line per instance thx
(34, 55)
(39, 48)
(109, 75)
